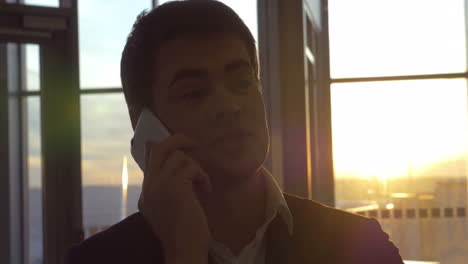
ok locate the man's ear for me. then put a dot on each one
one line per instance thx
(134, 115)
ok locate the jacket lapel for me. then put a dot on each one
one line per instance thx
(278, 243)
(305, 244)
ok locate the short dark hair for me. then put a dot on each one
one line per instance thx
(164, 22)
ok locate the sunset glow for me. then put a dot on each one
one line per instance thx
(124, 174)
(123, 205)
(398, 128)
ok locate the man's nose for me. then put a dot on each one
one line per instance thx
(226, 104)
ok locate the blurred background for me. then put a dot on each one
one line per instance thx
(366, 102)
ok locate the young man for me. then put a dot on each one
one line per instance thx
(206, 197)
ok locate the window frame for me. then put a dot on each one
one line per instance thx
(435, 212)
(61, 201)
(432, 76)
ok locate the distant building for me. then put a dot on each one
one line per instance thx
(425, 226)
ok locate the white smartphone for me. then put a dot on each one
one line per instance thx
(148, 128)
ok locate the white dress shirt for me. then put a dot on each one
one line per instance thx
(254, 252)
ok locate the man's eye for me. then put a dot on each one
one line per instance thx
(192, 95)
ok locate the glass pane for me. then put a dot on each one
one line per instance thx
(247, 10)
(103, 30)
(399, 37)
(106, 162)
(32, 67)
(34, 179)
(49, 3)
(399, 151)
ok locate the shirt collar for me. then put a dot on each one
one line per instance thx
(275, 201)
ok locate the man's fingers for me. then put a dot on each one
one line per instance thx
(175, 142)
(197, 176)
(156, 155)
(180, 169)
(176, 161)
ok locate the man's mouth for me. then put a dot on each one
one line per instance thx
(233, 135)
(234, 140)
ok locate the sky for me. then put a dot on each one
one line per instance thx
(391, 129)
(379, 129)
(396, 37)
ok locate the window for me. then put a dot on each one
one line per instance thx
(47, 3)
(400, 121)
(33, 152)
(34, 179)
(42, 143)
(385, 38)
(25, 150)
(102, 38)
(111, 180)
(107, 165)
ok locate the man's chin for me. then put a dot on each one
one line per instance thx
(231, 175)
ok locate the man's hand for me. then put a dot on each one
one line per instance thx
(169, 202)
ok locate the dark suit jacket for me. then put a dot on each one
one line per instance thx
(321, 235)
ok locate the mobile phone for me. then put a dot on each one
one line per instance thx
(148, 128)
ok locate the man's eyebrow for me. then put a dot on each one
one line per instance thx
(236, 65)
(188, 74)
(197, 73)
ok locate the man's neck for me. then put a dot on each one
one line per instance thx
(236, 213)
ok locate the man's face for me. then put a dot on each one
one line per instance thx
(206, 89)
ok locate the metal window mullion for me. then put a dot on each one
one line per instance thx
(30, 93)
(9, 242)
(61, 151)
(401, 77)
(23, 129)
(269, 49)
(292, 83)
(466, 64)
(5, 242)
(101, 90)
(22, 147)
(465, 6)
(60, 136)
(11, 158)
(324, 187)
